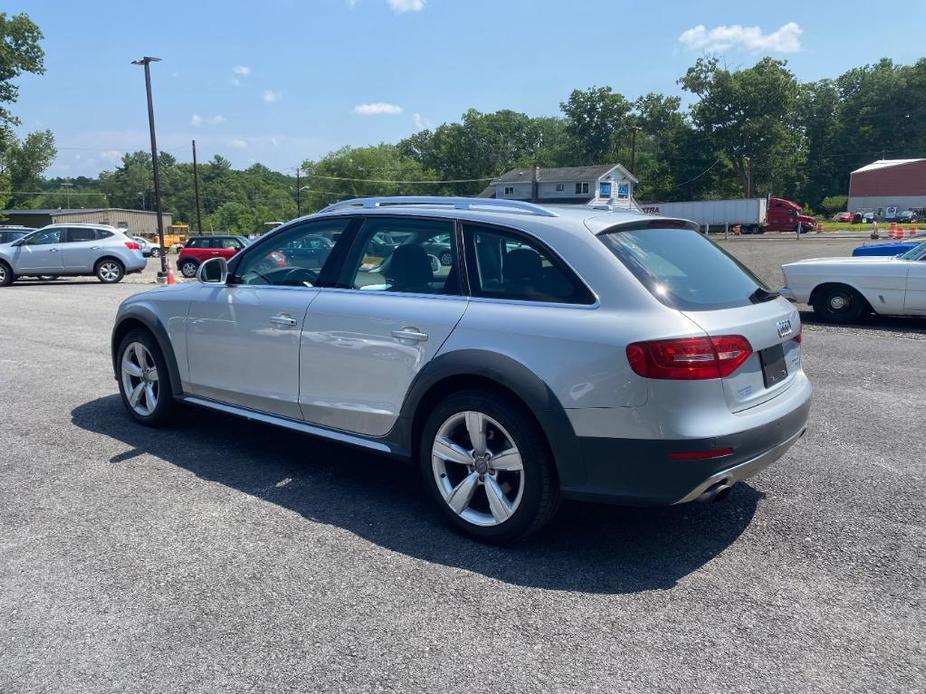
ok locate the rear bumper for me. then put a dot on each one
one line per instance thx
(640, 472)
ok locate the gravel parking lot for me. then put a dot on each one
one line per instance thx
(222, 555)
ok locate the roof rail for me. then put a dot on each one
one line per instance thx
(457, 203)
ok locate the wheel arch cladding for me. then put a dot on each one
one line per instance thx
(144, 318)
(469, 369)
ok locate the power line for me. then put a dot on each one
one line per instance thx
(373, 180)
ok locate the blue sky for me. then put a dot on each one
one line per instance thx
(281, 81)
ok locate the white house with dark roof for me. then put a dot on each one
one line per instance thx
(610, 184)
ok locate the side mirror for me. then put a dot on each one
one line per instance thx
(213, 271)
(18, 242)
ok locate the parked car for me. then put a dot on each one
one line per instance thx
(864, 215)
(8, 234)
(148, 248)
(843, 290)
(70, 250)
(889, 248)
(597, 355)
(200, 248)
(908, 217)
(845, 217)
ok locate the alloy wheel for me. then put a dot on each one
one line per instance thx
(2, 273)
(477, 468)
(109, 271)
(140, 379)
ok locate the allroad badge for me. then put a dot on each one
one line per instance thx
(784, 328)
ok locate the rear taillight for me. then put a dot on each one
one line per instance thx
(690, 358)
(797, 338)
(132, 246)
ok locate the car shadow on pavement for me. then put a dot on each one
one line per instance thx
(587, 548)
(894, 324)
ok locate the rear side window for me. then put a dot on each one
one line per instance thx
(103, 234)
(507, 265)
(683, 269)
(78, 234)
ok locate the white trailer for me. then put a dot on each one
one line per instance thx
(750, 213)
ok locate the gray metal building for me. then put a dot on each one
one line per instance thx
(135, 221)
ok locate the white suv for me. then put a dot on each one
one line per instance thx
(559, 353)
(69, 250)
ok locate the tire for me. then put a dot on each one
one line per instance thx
(154, 403)
(155, 252)
(188, 268)
(109, 271)
(493, 505)
(6, 275)
(838, 303)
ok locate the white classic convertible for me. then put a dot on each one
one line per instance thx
(842, 290)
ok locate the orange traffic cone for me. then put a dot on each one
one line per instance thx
(912, 230)
(171, 277)
(893, 230)
(819, 227)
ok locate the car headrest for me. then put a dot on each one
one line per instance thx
(409, 266)
(523, 264)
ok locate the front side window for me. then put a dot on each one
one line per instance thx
(288, 259)
(505, 265)
(78, 234)
(44, 238)
(405, 255)
(684, 270)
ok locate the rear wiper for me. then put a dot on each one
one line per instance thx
(761, 294)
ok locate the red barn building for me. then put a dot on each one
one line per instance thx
(889, 183)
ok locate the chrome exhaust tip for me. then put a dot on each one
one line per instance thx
(716, 492)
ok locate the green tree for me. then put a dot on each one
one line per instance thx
(24, 161)
(596, 118)
(19, 52)
(360, 171)
(751, 114)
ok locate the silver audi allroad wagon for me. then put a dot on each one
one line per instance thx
(517, 354)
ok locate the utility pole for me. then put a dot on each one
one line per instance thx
(199, 219)
(633, 146)
(67, 192)
(298, 195)
(748, 177)
(146, 62)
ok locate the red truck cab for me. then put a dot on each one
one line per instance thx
(784, 215)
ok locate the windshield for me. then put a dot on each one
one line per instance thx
(683, 269)
(914, 253)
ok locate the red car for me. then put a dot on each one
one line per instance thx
(198, 249)
(843, 217)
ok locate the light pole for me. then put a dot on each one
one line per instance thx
(67, 192)
(634, 129)
(146, 63)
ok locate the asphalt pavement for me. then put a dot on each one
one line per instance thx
(222, 555)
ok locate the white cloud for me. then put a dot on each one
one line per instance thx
(785, 39)
(238, 143)
(241, 70)
(110, 155)
(352, 3)
(378, 108)
(198, 120)
(270, 96)
(400, 6)
(422, 123)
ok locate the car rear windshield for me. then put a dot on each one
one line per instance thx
(685, 270)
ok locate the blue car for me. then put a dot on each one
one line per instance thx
(890, 248)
